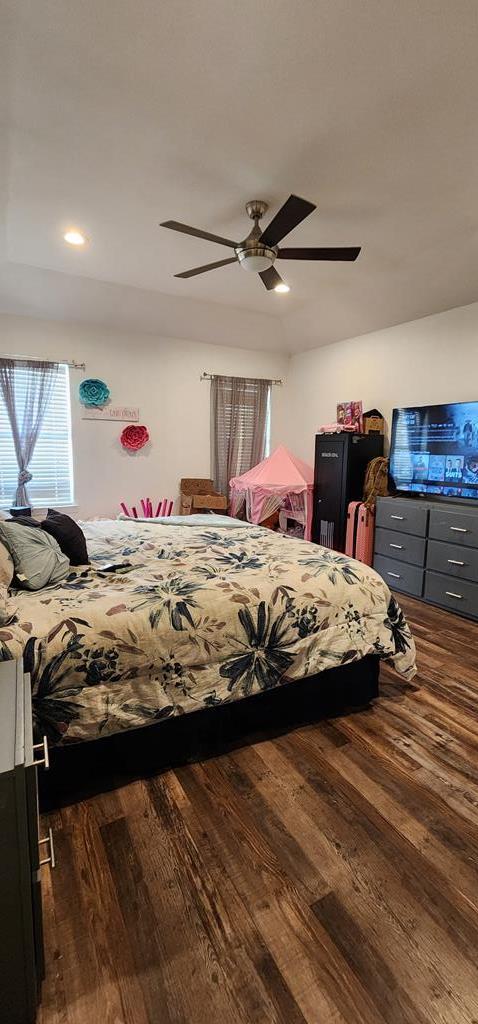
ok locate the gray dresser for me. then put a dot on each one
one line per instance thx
(22, 851)
(429, 550)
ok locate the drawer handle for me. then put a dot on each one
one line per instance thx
(397, 517)
(454, 561)
(45, 760)
(449, 593)
(459, 529)
(51, 859)
(396, 575)
(398, 546)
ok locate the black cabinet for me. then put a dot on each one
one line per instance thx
(22, 851)
(340, 464)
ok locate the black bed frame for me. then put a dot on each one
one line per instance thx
(83, 769)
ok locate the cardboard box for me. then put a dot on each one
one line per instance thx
(209, 501)
(198, 495)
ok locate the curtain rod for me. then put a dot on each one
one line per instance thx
(38, 359)
(212, 376)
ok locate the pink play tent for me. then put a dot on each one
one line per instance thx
(282, 482)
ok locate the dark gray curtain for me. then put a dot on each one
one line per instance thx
(39, 383)
(238, 426)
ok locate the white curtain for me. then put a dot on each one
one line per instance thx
(26, 426)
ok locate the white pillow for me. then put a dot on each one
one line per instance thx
(6, 566)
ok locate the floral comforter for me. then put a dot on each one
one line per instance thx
(206, 616)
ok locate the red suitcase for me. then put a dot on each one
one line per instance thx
(351, 534)
(360, 532)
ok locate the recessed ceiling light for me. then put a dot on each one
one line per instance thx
(74, 237)
(282, 287)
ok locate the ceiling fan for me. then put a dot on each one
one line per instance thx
(260, 249)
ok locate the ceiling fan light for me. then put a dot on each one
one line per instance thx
(282, 287)
(256, 263)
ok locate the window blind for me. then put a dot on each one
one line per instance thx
(240, 426)
(52, 464)
(245, 417)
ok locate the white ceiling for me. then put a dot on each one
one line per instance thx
(118, 114)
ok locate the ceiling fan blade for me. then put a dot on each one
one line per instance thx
(174, 225)
(207, 266)
(288, 217)
(349, 253)
(271, 278)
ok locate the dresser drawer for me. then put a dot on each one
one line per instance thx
(404, 516)
(38, 932)
(453, 559)
(399, 575)
(457, 527)
(460, 595)
(403, 546)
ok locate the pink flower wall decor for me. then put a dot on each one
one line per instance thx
(134, 437)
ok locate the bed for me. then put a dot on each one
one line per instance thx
(212, 612)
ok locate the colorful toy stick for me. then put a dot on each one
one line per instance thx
(164, 508)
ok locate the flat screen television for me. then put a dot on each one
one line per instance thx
(434, 451)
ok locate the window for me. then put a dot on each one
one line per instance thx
(51, 465)
(245, 417)
(240, 426)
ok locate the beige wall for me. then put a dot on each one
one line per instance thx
(430, 360)
(159, 375)
(427, 361)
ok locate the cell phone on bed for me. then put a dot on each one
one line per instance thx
(116, 567)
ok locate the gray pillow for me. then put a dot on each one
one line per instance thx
(37, 557)
(6, 566)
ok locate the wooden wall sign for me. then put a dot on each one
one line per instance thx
(128, 413)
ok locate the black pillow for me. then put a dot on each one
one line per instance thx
(68, 535)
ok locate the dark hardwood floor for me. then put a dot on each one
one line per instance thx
(328, 876)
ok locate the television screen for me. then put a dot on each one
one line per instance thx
(434, 450)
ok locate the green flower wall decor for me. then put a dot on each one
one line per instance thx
(94, 392)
